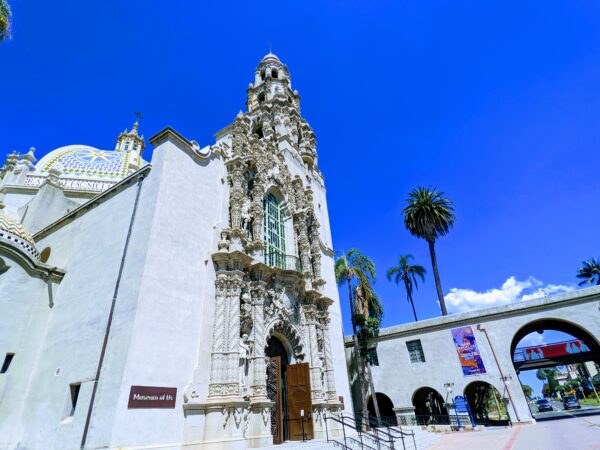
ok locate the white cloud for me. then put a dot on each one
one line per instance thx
(532, 339)
(548, 290)
(511, 291)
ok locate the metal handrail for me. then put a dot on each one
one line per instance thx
(375, 431)
(384, 440)
(362, 444)
(393, 430)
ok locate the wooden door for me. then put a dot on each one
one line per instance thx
(298, 400)
(274, 394)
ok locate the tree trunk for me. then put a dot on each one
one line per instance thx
(357, 358)
(351, 306)
(410, 299)
(373, 394)
(436, 275)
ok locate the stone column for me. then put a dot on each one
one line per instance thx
(315, 249)
(331, 392)
(316, 381)
(257, 210)
(258, 363)
(224, 378)
(236, 196)
(217, 370)
(303, 244)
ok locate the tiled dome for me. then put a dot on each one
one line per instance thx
(88, 162)
(13, 233)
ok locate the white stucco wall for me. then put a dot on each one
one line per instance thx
(398, 378)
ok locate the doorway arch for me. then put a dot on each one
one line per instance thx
(487, 405)
(278, 361)
(386, 410)
(429, 407)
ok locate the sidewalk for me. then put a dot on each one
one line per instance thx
(488, 439)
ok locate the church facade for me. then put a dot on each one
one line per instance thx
(189, 302)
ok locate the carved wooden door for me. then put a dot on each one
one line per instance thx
(274, 394)
(299, 401)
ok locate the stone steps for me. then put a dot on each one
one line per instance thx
(423, 440)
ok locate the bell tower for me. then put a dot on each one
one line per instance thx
(130, 141)
(273, 269)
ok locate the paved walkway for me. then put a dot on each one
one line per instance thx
(570, 431)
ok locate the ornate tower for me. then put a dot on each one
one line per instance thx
(271, 356)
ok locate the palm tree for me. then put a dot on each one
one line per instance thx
(355, 268)
(590, 272)
(5, 15)
(429, 215)
(408, 275)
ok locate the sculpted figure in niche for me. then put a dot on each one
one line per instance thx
(277, 299)
(246, 215)
(246, 347)
(246, 312)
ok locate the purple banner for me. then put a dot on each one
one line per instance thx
(468, 352)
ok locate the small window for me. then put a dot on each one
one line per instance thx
(74, 390)
(262, 74)
(274, 74)
(261, 97)
(7, 360)
(415, 351)
(127, 146)
(259, 132)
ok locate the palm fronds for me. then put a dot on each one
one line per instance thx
(5, 19)
(590, 272)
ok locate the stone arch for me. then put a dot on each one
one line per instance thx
(551, 323)
(429, 407)
(386, 410)
(289, 337)
(487, 404)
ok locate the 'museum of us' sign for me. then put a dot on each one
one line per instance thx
(152, 397)
(468, 352)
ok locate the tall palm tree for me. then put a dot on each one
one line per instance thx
(590, 272)
(5, 16)
(355, 268)
(408, 274)
(429, 215)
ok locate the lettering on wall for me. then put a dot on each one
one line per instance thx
(152, 397)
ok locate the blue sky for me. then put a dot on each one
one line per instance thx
(495, 103)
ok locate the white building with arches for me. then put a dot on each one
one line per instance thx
(433, 373)
(189, 302)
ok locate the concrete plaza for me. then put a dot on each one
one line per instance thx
(565, 430)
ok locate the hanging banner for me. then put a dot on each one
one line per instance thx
(468, 352)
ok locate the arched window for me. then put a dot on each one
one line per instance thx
(274, 74)
(274, 232)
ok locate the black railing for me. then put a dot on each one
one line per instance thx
(387, 425)
(276, 258)
(382, 437)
